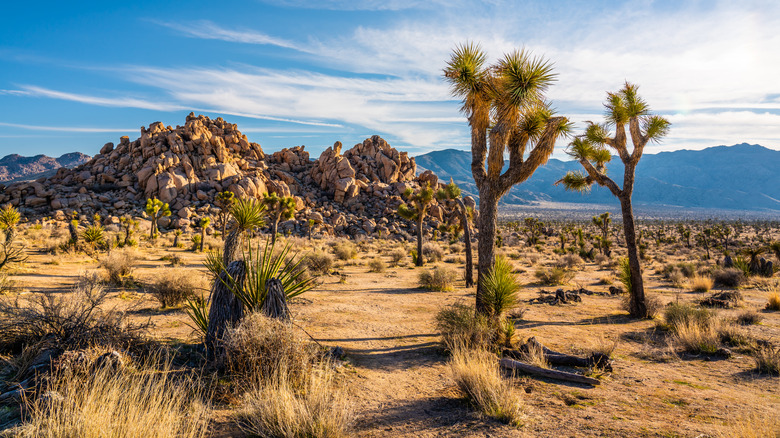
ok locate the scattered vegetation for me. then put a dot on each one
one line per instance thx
(554, 276)
(172, 287)
(439, 278)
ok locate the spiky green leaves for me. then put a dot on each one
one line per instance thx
(576, 181)
(465, 70)
(501, 287)
(157, 208)
(655, 128)
(417, 203)
(247, 214)
(521, 80)
(450, 191)
(9, 217)
(281, 206)
(224, 200)
(203, 222)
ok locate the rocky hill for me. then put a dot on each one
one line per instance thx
(739, 177)
(354, 192)
(16, 167)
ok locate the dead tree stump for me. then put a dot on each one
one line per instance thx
(226, 309)
(275, 304)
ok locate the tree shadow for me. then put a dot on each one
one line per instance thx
(397, 357)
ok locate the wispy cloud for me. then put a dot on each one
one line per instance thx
(122, 101)
(65, 128)
(206, 29)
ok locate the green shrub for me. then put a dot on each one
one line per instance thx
(500, 287)
(318, 262)
(345, 250)
(460, 326)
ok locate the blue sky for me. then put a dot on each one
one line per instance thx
(75, 75)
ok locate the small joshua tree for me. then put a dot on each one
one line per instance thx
(685, 234)
(452, 191)
(203, 223)
(625, 109)
(602, 222)
(246, 214)
(415, 210)
(224, 201)
(156, 209)
(129, 225)
(533, 230)
(278, 208)
(704, 239)
(9, 219)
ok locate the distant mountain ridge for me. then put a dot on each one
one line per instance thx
(742, 176)
(15, 167)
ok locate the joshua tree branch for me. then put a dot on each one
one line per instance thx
(538, 156)
(478, 122)
(601, 179)
(619, 143)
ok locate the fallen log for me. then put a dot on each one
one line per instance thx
(556, 358)
(545, 372)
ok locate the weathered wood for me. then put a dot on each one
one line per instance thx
(544, 372)
(275, 304)
(556, 358)
(226, 309)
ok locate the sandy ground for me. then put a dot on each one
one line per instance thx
(397, 374)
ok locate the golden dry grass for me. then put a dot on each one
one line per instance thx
(701, 283)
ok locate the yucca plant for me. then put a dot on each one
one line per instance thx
(246, 214)
(224, 201)
(624, 274)
(93, 235)
(198, 311)
(9, 218)
(260, 267)
(500, 287)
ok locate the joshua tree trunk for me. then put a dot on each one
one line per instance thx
(202, 238)
(232, 245)
(419, 241)
(274, 230)
(464, 219)
(637, 305)
(74, 234)
(488, 209)
(224, 226)
(226, 310)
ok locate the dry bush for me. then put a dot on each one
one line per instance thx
(478, 376)
(259, 347)
(729, 277)
(749, 317)
(440, 278)
(677, 278)
(599, 259)
(377, 265)
(318, 262)
(103, 403)
(681, 314)
(767, 360)
(432, 252)
(345, 250)
(697, 338)
(569, 261)
(456, 248)
(69, 321)
(773, 302)
(276, 408)
(460, 326)
(396, 256)
(172, 286)
(764, 425)
(455, 260)
(701, 283)
(119, 265)
(554, 276)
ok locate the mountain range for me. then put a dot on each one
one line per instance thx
(15, 167)
(740, 177)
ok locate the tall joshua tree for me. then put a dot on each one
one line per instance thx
(415, 209)
(452, 191)
(624, 109)
(507, 111)
(278, 208)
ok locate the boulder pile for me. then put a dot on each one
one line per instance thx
(354, 192)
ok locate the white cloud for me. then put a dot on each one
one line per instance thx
(65, 128)
(206, 29)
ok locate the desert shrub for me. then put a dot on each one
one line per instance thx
(276, 408)
(432, 252)
(569, 261)
(440, 278)
(258, 347)
(454, 259)
(172, 287)
(697, 338)
(119, 265)
(729, 277)
(686, 269)
(773, 302)
(677, 315)
(749, 317)
(396, 256)
(456, 248)
(477, 375)
(599, 259)
(554, 276)
(376, 265)
(460, 326)
(345, 250)
(500, 287)
(144, 403)
(173, 259)
(70, 321)
(767, 360)
(701, 283)
(677, 278)
(318, 262)
(653, 304)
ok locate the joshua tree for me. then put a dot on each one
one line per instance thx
(415, 209)
(246, 214)
(452, 191)
(602, 223)
(533, 230)
(224, 200)
(624, 109)
(506, 109)
(129, 225)
(278, 208)
(9, 219)
(203, 223)
(705, 239)
(156, 209)
(685, 234)
(775, 248)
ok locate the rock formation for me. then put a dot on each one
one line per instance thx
(354, 192)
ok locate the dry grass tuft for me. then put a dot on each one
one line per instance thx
(477, 375)
(119, 266)
(396, 256)
(554, 276)
(172, 286)
(768, 360)
(701, 283)
(534, 355)
(345, 250)
(318, 262)
(461, 327)
(133, 404)
(765, 425)
(773, 302)
(440, 278)
(377, 265)
(432, 252)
